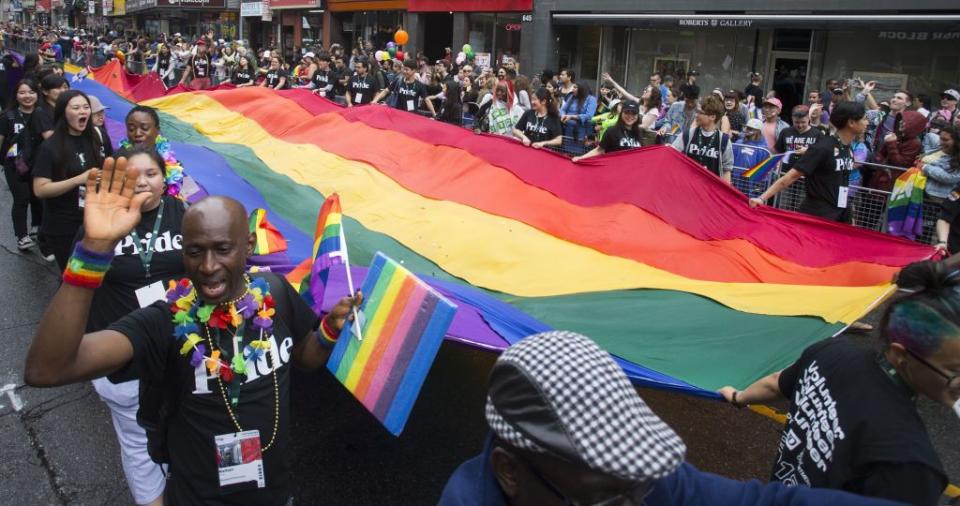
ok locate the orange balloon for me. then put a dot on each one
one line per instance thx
(401, 37)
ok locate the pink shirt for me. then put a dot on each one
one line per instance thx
(769, 134)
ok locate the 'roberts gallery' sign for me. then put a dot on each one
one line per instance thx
(716, 23)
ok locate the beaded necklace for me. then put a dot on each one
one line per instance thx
(255, 303)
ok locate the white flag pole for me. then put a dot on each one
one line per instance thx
(346, 263)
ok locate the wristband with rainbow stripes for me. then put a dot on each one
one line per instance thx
(327, 337)
(86, 268)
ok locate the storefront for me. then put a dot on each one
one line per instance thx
(351, 22)
(188, 17)
(297, 24)
(493, 28)
(794, 52)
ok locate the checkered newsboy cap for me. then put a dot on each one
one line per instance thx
(558, 393)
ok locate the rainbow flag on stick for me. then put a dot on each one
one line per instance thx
(406, 321)
(760, 170)
(269, 239)
(329, 249)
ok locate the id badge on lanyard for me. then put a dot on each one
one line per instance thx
(239, 458)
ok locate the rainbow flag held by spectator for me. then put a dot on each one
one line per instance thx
(329, 249)
(405, 321)
(269, 240)
(760, 170)
(905, 208)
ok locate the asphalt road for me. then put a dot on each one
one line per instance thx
(57, 446)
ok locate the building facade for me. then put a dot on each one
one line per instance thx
(794, 50)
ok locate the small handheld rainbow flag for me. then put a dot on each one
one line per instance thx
(329, 249)
(269, 239)
(760, 170)
(405, 322)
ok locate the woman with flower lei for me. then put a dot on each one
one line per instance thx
(143, 127)
(217, 314)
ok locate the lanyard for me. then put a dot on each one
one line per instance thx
(146, 254)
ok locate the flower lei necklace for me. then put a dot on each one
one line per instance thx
(173, 170)
(256, 303)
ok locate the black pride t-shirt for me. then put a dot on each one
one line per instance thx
(201, 66)
(242, 76)
(539, 129)
(117, 296)
(618, 139)
(201, 413)
(362, 89)
(12, 123)
(853, 427)
(323, 79)
(827, 166)
(273, 78)
(408, 94)
(791, 140)
(63, 214)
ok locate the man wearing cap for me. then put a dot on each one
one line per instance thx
(98, 118)
(947, 114)
(567, 427)
(798, 137)
(197, 70)
(772, 124)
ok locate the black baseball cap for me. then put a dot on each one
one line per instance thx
(631, 106)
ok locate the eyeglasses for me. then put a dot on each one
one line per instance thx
(953, 382)
(632, 497)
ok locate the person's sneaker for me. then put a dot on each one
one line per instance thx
(25, 242)
(34, 231)
(46, 255)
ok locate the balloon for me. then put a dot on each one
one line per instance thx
(386, 56)
(400, 55)
(392, 51)
(467, 48)
(378, 55)
(470, 55)
(461, 57)
(391, 45)
(401, 37)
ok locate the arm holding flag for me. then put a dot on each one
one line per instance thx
(791, 177)
(313, 352)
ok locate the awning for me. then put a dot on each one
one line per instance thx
(926, 22)
(366, 5)
(470, 5)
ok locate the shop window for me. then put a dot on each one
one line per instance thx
(494, 36)
(791, 40)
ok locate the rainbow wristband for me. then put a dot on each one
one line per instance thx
(86, 268)
(328, 337)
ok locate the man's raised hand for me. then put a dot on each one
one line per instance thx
(111, 210)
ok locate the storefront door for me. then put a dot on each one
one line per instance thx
(789, 76)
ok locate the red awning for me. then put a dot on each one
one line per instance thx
(470, 5)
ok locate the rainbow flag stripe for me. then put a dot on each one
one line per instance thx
(328, 250)
(404, 323)
(760, 170)
(269, 239)
(689, 294)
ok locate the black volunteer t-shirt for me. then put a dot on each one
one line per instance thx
(63, 214)
(117, 296)
(826, 165)
(273, 78)
(408, 94)
(12, 124)
(242, 76)
(618, 139)
(201, 413)
(163, 63)
(201, 66)
(540, 129)
(362, 89)
(791, 140)
(40, 121)
(853, 427)
(322, 79)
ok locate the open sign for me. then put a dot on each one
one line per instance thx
(513, 27)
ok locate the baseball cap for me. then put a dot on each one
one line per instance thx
(773, 101)
(558, 393)
(693, 72)
(95, 104)
(951, 94)
(309, 54)
(838, 91)
(690, 91)
(755, 124)
(614, 103)
(630, 106)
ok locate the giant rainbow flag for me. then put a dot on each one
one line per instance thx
(656, 259)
